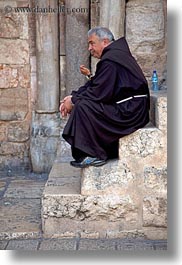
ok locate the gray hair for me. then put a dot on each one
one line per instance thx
(102, 33)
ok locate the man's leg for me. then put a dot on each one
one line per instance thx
(82, 160)
(113, 150)
(77, 154)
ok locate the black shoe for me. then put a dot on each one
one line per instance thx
(88, 161)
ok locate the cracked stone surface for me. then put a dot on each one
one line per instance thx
(20, 205)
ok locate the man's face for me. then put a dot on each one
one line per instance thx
(96, 46)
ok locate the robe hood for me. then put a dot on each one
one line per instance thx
(119, 52)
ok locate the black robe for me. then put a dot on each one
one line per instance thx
(96, 121)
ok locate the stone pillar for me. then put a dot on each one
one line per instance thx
(62, 50)
(77, 25)
(45, 134)
(112, 16)
(47, 58)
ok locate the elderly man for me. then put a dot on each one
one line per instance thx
(114, 103)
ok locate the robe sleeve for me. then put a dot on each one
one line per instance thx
(101, 87)
(81, 89)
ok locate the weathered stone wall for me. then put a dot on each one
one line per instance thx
(146, 35)
(29, 97)
(15, 86)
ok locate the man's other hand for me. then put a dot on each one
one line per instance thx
(66, 106)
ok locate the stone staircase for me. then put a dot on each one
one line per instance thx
(126, 198)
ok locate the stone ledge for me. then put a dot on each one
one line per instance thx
(155, 211)
(114, 176)
(70, 228)
(91, 208)
(159, 109)
(143, 143)
(98, 216)
(145, 148)
(63, 179)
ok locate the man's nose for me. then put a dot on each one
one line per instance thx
(89, 47)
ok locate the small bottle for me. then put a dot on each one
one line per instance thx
(155, 86)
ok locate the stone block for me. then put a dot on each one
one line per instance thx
(89, 216)
(103, 228)
(155, 211)
(145, 33)
(151, 61)
(99, 244)
(62, 206)
(14, 76)
(64, 148)
(58, 244)
(12, 24)
(3, 132)
(14, 154)
(44, 140)
(126, 234)
(8, 76)
(147, 145)
(3, 244)
(145, 22)
(43, 153)
(159, 110)
(27, 245)
(46, 125)
(114, 175)
(18, 132)
(2, 187)
(155, 233)
(75, 206)
(155, 180)
(8, 148)
(63, 179)
(134, 245)
(63, 170)
(16, 53)
(14, 104)
(63, 186)
(109, 207)
(24, 76)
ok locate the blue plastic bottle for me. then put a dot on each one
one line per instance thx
(155, 86)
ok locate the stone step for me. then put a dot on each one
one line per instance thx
(124, 198)
(61, 192)
(139, 152)
(63, 179)
(115, 200)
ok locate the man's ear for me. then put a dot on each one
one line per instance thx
(106, 42)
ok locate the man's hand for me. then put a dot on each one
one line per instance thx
(84, 70)
(66, 106)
